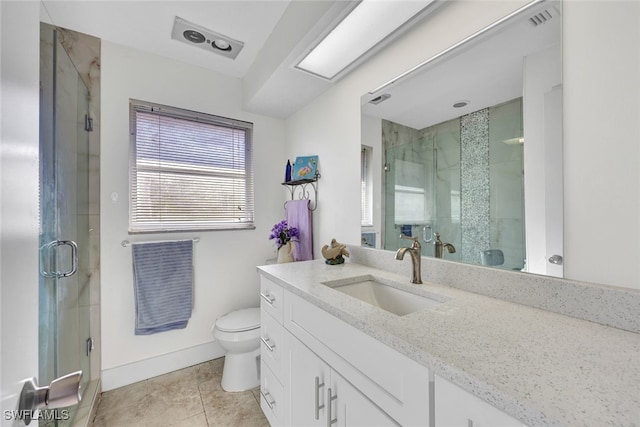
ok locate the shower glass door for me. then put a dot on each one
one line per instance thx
(64, 316)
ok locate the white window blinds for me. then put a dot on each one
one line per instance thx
(188, 170)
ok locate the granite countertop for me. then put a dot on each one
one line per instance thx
(542, 368)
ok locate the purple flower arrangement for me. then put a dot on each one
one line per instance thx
(283, 233)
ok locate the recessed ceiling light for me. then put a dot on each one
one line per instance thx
(460, 104)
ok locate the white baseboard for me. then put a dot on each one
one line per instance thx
(159, 365)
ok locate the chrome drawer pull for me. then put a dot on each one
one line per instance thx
(330, 419)
(318, 406)
(270, 400)
(268, 298)
(266, 342)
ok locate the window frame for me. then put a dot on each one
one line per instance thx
(248, 218)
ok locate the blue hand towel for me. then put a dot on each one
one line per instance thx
(163, 284)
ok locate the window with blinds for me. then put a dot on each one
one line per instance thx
(189, 170)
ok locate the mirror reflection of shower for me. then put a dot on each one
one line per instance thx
(461, 179)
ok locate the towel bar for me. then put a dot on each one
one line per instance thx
(126, 243)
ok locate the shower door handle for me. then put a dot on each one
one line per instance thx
(45, 254)
(74, 257)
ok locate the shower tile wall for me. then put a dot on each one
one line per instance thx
(474, 189)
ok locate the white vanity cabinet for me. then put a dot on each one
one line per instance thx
(322, 397)
(319, 371)
(273, 353)
(455, 407)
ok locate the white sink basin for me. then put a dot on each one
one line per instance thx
(386, 294)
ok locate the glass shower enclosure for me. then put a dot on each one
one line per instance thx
(64, 291)
(462, 179)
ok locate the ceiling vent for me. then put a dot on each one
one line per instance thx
(208, 40)
(541, 18)
(378, 99)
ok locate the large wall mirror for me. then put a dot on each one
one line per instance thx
(470, 149)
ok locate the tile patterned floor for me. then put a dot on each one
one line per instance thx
(189, 397)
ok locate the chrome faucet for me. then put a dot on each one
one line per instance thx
(415, 253)
(439, 246)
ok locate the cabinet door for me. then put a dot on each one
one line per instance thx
(308, 381)
(455, 407)
(352, 409)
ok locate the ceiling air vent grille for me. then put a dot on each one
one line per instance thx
(378, 99)
(541, 18)
(211, 41)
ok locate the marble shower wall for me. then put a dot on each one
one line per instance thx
(472, 180)
(410, 160)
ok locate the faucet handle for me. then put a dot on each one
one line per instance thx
(416, 242)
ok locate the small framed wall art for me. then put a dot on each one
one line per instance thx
(305, 167)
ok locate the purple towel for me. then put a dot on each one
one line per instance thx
(299, 216)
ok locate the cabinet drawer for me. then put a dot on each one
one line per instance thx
(271, 396)
(271, 298)
(272, 337)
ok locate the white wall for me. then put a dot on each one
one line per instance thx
(225, 261)
(372, 137)
(19, 221)
(330, 125)
(601, 76)
(602, 141)
(542, 71)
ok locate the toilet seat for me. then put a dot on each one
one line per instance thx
(239, 321)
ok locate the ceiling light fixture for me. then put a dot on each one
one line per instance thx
(369, 23)
(461, 104)
(221, 44)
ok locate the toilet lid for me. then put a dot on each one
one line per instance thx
(239, 320)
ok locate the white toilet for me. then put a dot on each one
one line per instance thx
(238, 333)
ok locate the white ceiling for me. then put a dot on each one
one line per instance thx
(275, 33)
(485, 73)
(147, 25)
